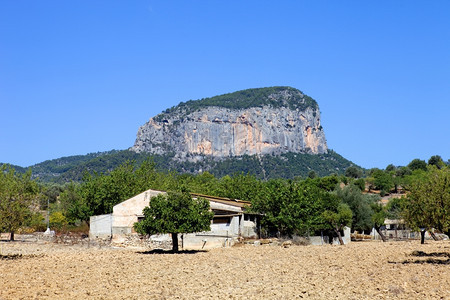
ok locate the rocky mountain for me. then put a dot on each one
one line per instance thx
(260, 121)
(269, 132)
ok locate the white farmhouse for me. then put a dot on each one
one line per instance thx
(230, 222)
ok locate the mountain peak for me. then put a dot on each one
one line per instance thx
(276, 97)
(269, 120)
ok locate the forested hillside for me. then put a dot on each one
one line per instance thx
(288, 165)
(258, 97)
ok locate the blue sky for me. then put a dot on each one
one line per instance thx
(82, 76)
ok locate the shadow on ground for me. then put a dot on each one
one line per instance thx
(162, 251)
(431, 258)
(18, 256)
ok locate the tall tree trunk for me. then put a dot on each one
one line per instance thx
(434, 236)
(422, 236)
(175, 242)
(11, 237)
(383, 237)
(341, 241)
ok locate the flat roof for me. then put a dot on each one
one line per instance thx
(233, 202)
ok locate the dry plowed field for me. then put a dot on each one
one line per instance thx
(360, 270)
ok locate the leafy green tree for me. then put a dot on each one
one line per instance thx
(73, 205)
(360, 183)
(203, 183)
(174, 213)
(338, 219)
(390, 168)
(360, 205)
(49, 194)
(382, 181)
(436, 161)
(58, 220)
(293, 207)
(275, 200)
(396, 180)
(101, 192)
(146, 176)
(394, 208)
(17, 193)
(403, 171)
(327, 183)
(417, 164)
(239, 186)
(353, 172)
(428, 202)
(378, 217)
(312, 174)
(310, 200)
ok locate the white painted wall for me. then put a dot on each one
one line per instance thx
(100, 226)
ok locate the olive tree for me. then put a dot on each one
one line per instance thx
(360, 204)
(378, 217)
(417, 164)
(337, 220)
(17, 193)
(437, 161)
(428, 202)
(174, 213)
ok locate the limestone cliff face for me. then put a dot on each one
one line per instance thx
(223, 132)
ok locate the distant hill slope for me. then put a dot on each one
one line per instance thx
(286, 165)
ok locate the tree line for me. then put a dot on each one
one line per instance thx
(287, 165)
(301, 206)
(244, 99)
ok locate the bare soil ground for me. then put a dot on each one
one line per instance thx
(364, 270)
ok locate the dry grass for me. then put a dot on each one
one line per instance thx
(369, 270)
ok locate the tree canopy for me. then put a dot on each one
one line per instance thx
(360, 205)
(100, 192)
(17, 192)
(417, 164)
(339, 219)
(436, 161)
(174, 213)
(428, 202)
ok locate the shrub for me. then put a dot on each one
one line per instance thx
(58, 220)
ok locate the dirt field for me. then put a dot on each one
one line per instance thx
(364, 270)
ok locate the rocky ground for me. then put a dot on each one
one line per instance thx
(360, 270)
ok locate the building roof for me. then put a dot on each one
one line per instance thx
(228, 201)
(136, 204)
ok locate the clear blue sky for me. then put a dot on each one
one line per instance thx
(82, 76)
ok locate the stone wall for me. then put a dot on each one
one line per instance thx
(191, 241)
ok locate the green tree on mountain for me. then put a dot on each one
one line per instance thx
(353, 172)
(436, 161)
(417, 164)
